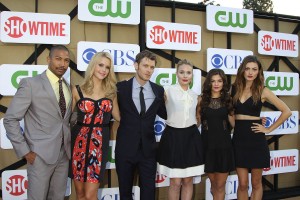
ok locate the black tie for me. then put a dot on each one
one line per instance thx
(142, 102)
(62, 101)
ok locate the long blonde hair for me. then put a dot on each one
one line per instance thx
(240, 82)
(108, 83)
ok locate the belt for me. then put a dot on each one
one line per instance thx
(92, 125)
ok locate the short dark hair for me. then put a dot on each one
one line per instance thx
(58, 47)
(145, 54)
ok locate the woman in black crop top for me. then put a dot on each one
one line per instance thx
(250, 146)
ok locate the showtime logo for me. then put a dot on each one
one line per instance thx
(14, 184)
(159, 35)
(269, 43)
(35, 28)
(282, 161)
(278, 44)
(15, 27)
(160, 178)
(164, 35)
(164, 181)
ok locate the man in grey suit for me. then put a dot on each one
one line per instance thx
(44, 101)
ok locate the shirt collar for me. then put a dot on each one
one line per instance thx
(180, 88)
(52, 77)
(136, 85)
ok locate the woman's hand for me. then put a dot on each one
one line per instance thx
(258, 128)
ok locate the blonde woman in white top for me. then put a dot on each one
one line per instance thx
(180, 149)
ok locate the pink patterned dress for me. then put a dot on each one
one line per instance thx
(90, 139)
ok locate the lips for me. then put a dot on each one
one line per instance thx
(61, 70)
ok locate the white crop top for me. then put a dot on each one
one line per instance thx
(181, 106)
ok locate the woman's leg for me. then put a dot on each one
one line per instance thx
(79, 188)
(242, 193)
(91, 191)
(212, 179)
(174, 188)
(187, 188)
(256, 181)
(219, 186)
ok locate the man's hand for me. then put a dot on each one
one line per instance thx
(30, 157)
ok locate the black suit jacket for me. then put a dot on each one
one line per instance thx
(136, 130)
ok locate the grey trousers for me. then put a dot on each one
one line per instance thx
(48, 181)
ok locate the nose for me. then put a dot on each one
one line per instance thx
(63, 63)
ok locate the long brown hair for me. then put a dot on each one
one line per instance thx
(108, 83)
(240, 82)
(206, 91)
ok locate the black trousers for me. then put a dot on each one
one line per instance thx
(126, 166)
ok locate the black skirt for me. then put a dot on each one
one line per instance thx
(180, 152)
(250, 149)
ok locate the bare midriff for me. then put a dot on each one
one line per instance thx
(246, 117)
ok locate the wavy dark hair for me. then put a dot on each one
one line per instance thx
(206, 91)
(240, 81)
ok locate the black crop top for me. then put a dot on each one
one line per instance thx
(248, 107)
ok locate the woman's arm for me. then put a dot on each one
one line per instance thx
(116, 110)
(231, 120)
(75, 97)
(198, 109)
(268, 95)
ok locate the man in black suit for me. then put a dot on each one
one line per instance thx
(140, 100)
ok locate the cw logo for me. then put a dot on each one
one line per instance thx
(225, 19)
(111, 8)
(18, 74)
(111, 156)
(168, 79)
(272, 84)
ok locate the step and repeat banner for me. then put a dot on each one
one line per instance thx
(45, 28)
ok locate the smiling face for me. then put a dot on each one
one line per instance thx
(251, 71)
(58, 62)
(216, 84)
(144, 70)
(101, 68)
(185, 75)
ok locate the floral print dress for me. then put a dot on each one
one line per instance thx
(90, 139)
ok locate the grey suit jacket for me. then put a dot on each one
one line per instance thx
(35, 101)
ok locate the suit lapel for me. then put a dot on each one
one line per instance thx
(70, 101)
(154, 89)
(129, 89)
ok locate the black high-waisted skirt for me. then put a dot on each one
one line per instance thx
(250, 149)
